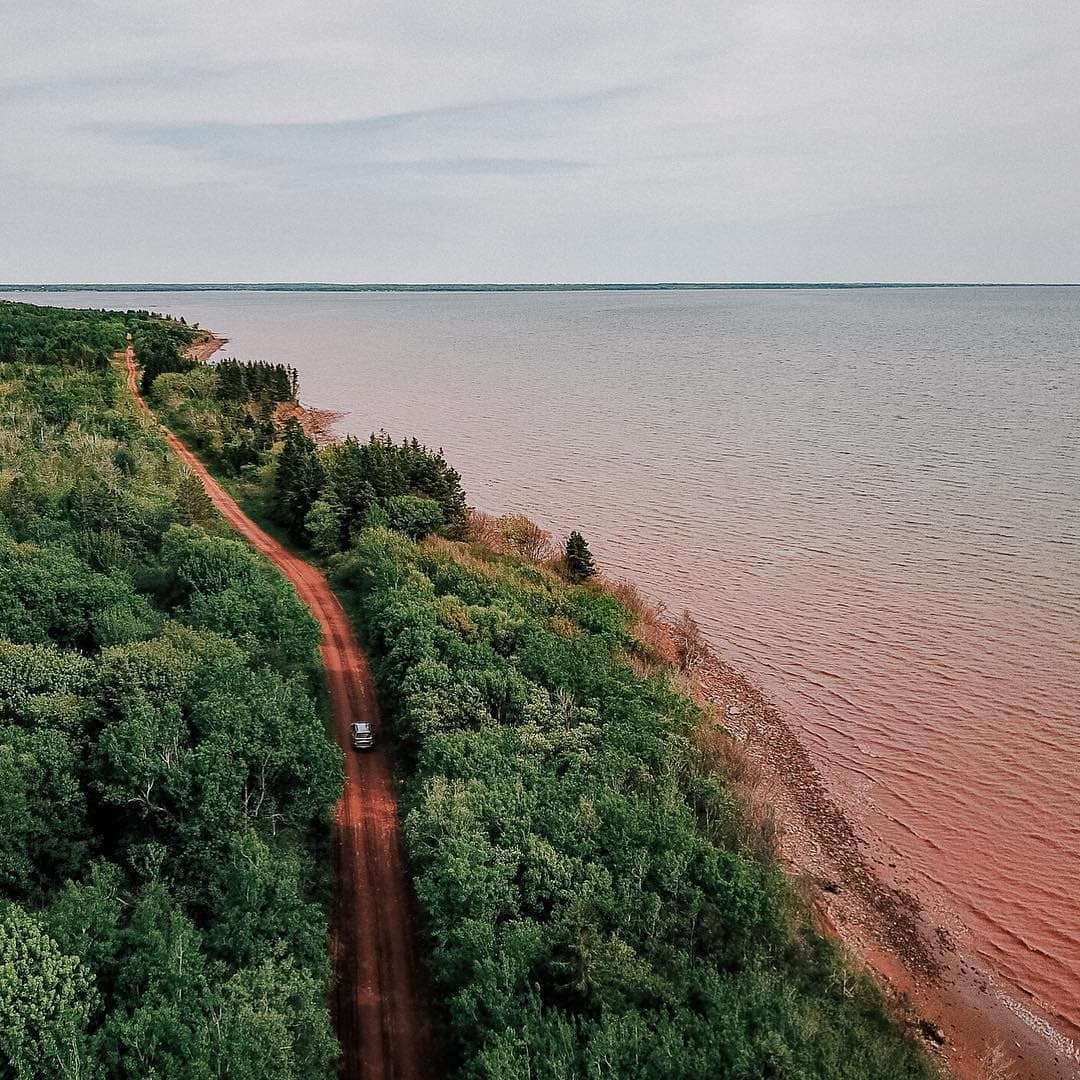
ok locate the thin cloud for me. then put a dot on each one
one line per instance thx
(355, 145)
(498, 110)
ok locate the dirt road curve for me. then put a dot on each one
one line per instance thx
(379, 1011)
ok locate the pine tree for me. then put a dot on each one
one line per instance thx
(579, 560)
(299, 478)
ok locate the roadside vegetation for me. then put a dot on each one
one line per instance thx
(166, 783)
(596, 899)
(244, 419)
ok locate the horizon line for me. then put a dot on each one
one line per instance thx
(522, 286)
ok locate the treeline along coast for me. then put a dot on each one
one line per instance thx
(594, 897)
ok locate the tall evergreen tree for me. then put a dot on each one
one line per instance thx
(299, 478)
(579, 560)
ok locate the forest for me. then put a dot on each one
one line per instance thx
(595, 899)
(244, 419)
(85, 339)
(166, 782)
(597, 902)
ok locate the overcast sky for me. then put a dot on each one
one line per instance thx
(522, 140)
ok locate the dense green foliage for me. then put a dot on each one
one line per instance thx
(322, 496)
(165, 777)
(226, 410)
(160, 347)
(403, 485)
(592, 901)
(255, 381)
(84, 339)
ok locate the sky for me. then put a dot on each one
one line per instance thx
(525, 141)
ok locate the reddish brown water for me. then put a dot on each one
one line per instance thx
(870, 499)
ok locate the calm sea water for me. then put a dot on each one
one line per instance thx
(870, 499)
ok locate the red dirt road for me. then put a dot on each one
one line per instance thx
(379, 1009)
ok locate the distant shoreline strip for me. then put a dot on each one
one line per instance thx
(659, 286)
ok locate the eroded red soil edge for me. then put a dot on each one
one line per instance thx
(379, 1011)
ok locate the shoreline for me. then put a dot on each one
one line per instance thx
(963, 1016)
(205, 346)
(318, 423)
(967, 1022)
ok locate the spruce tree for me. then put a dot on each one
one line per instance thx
(579, 560)
(299, 478)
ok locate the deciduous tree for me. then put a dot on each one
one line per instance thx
(46, 1001)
